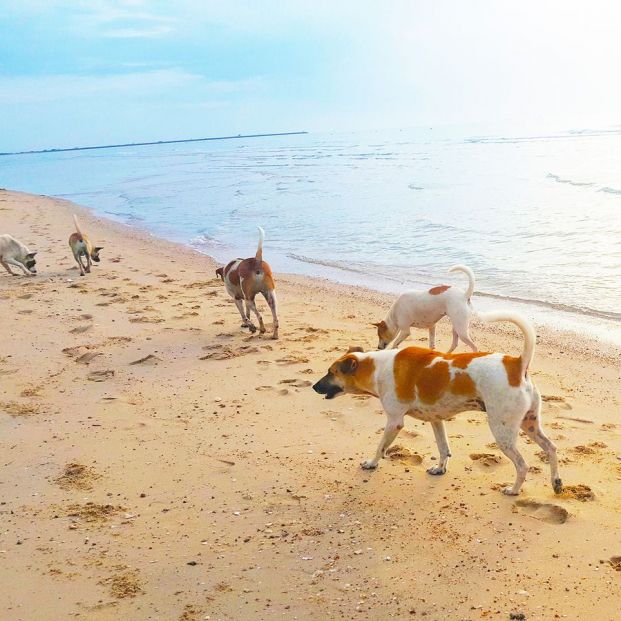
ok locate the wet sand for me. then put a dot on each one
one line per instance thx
(158, 462)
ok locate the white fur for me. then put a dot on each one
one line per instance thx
(422, 309)
(13, 252)
(506, 405)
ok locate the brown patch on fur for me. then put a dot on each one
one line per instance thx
(513, 366)
(382, 331)
(407, 366)
(232, 274)
(461, 361)
(433, 381)
(439, 289)
(463, 384)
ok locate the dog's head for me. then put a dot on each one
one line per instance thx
(29, 262)
(348, 374)
(95, 253)
(384, 334)
(220, 272)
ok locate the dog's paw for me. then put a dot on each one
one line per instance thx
(558, 486)
(436, 470)
(252, 328)
(508, 491)
(368, 464)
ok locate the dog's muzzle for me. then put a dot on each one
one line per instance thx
(325, 387)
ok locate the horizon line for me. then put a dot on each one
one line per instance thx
(142, 144)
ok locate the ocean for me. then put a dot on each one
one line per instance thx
(538, 218)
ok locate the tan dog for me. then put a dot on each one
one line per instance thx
(244, 279)
(432, 386)
(82, 247)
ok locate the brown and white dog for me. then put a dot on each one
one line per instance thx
(244, 279)
(82, 247)
(423, 309)
(432, 386)
(13, 252)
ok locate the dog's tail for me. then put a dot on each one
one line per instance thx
(259, 255)
(524, 325)
(77, 226)
(469, 273)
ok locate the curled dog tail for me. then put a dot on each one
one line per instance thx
(77, 226)
(469, 273)
(524, 325)
(259, 255)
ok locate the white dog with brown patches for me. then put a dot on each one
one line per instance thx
(432, 386)
(423, 309)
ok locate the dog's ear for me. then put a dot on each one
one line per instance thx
(349, 365)
(376, 323)
(220, 272)
(353, 348)
(31, 255)
(98, 248)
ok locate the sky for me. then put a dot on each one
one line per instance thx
(82, 72)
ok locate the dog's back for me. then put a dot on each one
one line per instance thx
(11, 247)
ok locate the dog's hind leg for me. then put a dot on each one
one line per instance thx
(253, 307)
(270, 298)
(246, 323)
(454, 343)
(88, 263)
(78, 259)
(531, 426)
(439, 432)
(460, 319)
(505, 429)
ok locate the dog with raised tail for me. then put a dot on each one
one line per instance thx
(81, 247)
(434, 387)
(423, 309)
(244, 279)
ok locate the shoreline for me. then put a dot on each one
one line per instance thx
(601, 331)
(161, 463)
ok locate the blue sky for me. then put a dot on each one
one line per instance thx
(78, 72)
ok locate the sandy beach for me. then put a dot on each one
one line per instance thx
(158, 462)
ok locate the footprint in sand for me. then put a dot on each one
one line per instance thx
(282, 391)
(296, 382)
(486, 459)
(546, 512)
(147, 360)
(81, 329)
(100, 376)
(580, 492)
(88, 357)
(291, 359)
(225, 352)
(403, 455)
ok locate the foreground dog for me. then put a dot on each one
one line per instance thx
(434, 387)
(82, 247)
(244, 279)
(423, 309)
(13, 252)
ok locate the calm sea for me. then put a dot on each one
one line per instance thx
(538, 218)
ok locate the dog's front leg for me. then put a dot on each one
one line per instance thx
(439, 431)
(391, 431)
(401, 336)
(6, 266)
(432, 337)
(20, 265)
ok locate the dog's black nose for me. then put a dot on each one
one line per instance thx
(316, 387)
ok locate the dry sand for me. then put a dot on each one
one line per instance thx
(160, 463)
